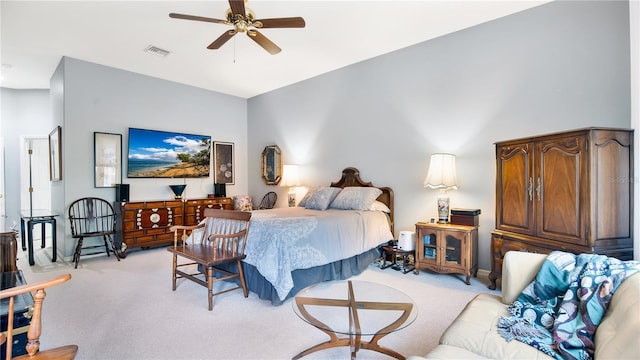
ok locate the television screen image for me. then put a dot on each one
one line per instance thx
(162, 154)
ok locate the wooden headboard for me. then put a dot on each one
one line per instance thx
(351, 177)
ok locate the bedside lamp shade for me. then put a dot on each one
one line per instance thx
(442, 175)
(442, 172)
(291, 179)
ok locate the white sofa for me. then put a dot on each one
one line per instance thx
(473, 334)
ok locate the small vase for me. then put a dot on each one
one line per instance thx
(177, 191)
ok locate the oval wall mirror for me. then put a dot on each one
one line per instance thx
(271, 165)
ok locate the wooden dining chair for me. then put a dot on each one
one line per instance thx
(35, 326)
(92, 217)
(219, 240)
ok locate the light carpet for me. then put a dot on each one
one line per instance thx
(127, 310)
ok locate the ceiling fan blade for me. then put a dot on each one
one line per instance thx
(217, 43)
(291, 22)
(264, 42)
(197, 18)
(237, 7)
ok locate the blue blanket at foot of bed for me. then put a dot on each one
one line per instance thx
(560, 310)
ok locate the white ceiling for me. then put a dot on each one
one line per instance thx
(36, 34)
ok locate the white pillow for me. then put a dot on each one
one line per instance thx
(379, 206)
(321, 198)
(356, 198)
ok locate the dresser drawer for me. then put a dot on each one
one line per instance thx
(512, 245)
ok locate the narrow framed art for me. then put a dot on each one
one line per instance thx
(107, 159)
(55, 154)
(223, 160)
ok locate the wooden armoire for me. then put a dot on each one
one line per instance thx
(569, 191)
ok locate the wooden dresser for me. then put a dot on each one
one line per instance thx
(570, 191)
(146, 223)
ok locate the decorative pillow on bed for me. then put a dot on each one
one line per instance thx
(321, 198)
(306, 197)
(379, 206)
(356, 198)
(242, 203)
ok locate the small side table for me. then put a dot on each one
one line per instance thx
(408, 259)
(32, 218)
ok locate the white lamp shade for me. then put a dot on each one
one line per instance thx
(442, 172)
(290, 176)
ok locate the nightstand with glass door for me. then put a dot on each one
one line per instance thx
(447, 248)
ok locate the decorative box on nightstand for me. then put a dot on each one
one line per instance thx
(447, 248)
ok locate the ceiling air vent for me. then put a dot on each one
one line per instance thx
(156, 51)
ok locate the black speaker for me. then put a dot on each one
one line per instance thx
(122, 192)
(220, 190)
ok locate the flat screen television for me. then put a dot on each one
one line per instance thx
(163, 154)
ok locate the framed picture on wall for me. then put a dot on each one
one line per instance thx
(55, 154)
(223, 171)
(107, 159)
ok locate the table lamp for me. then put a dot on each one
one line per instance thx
(442, 175)
(291, 179)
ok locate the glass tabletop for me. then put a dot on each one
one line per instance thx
(37, 213)
(379, 309)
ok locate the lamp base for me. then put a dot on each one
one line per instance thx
(292, 199)
(443, 208)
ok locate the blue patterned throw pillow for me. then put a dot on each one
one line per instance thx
(321, 198)
(356, 198)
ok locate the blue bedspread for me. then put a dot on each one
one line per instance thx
(560, 310)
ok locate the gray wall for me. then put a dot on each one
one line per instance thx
(556, 67)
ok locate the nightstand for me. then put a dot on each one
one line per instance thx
(447, 248)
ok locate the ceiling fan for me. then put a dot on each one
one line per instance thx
(243, 20)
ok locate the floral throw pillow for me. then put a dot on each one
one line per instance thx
(242, 203)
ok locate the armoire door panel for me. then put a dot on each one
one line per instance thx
(515, 188)
(613, 181)
(560, 193)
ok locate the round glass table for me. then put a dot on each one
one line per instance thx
(348, 310)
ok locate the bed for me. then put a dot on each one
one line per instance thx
(289, 249)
